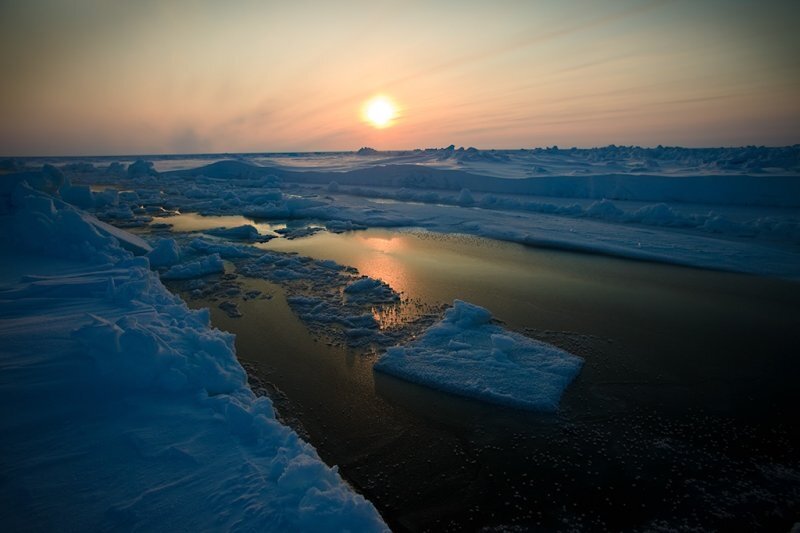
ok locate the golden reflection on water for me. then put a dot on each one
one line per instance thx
(385, 262)
(185, 222)
(387, 259)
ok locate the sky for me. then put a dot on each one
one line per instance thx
(103, 77)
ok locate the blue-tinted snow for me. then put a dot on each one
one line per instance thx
(195, 269)
(466, 354)
(123, 409)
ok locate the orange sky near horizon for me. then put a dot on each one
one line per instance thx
(109, 77)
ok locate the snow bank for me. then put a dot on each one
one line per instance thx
(123, 409)
(466, 354)
(43, 224)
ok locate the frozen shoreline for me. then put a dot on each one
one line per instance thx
(108, 376)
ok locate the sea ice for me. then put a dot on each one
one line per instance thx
(246, 232)
(467, 355)
(123, 409)
(729, 208)
(211, 264)
(370, 289)
(166, 252)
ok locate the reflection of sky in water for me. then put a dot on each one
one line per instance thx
(384, 262)
(659, 341)
(646, 305)
(196, 222)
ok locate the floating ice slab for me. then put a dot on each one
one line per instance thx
(466, 354)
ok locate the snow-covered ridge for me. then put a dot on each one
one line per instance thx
(107, 376)
(740, 176)
(783, 191)
(724, 189)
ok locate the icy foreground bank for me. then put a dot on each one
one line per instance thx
(124, 409)
(466, 354)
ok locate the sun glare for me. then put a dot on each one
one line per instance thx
(380, 112)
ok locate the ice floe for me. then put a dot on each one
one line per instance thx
(466, 354)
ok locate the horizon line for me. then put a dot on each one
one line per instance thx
(391, 150)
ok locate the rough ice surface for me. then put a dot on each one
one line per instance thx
(732, 209)
(467, 355)
(195, 269)
(123, 409)
(166, 252)
(373, 290)
(227, 251)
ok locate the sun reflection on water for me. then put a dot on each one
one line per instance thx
(384, 263)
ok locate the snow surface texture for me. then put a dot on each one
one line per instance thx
(466, 354)
(123, 409)
(196, 269)
(727, 209)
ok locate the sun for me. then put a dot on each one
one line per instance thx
(380, 111)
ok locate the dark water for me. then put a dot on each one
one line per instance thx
(683, 416)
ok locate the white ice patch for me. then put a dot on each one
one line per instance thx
(466, 354)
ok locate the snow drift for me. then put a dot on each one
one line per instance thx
(123, 409)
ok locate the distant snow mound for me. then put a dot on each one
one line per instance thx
(465, 197)
(467, 355)
(231, 169)
(141, 168)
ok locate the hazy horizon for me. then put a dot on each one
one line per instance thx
(111, 78)
(388, 150)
